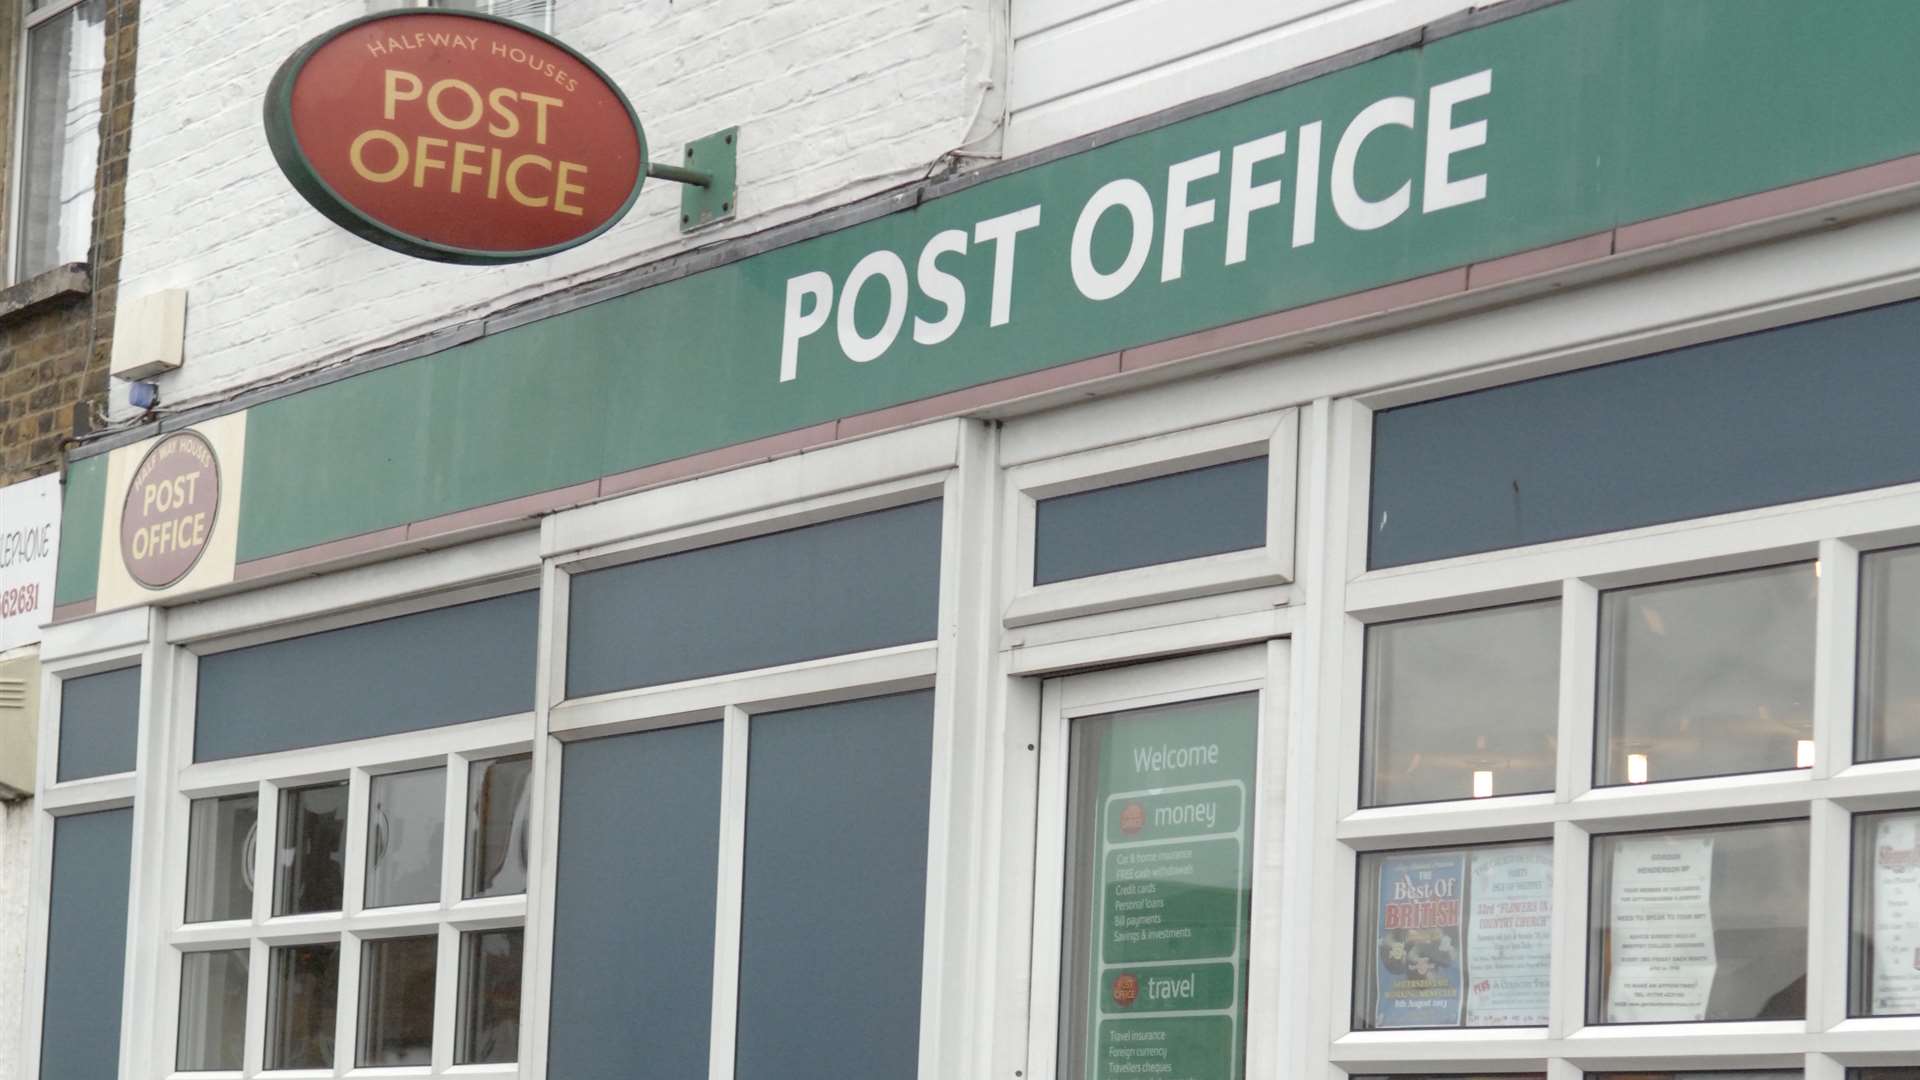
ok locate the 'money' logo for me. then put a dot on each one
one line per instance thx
(455, 137)
(170, 509)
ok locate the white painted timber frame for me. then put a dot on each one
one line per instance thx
(29, 19)
(990, 811)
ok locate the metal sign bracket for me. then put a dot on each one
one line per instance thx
(708, 193)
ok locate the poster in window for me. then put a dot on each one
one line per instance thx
(1417, 941)
(1663, 958)
(1509, 936)
(1896, 914)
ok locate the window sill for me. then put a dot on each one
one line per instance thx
(30, 297)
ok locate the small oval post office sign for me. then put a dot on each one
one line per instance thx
(455, 137)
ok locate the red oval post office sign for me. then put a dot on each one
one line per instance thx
(171, 505)
(455, 137)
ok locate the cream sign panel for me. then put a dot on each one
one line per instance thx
(29, 539)
(172, 513)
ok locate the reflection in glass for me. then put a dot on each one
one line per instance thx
(1716, 1074)
(60, 145)
(1454, 1076)
(303, 992)
(1895, 1073)
(220, 847)
(396, 1001)
(1454, 937)
(1887, 709)
(213, 1011)
(489, 1007)
(406, 825)
(1158, 885)
(1886, 915)
(1462, 706)
(307, 865)
(497, 794)
(1699, 924)
(1706, 677)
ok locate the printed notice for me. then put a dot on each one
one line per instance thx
(1509, 936)
(1170, 898)
(1896, 914)
(1662, 959)
(1418, 979)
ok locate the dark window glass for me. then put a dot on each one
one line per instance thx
(834, 893)
(213, 1011)
(1700, 924)
(1454, 1076)
(99, 724)
(446, 666)
(639, 832)
(1462, 706)
(396, 1001)
(1803, 411)
(1716, 1074)
(497, 793)
(1886, 914)
(86, 946)
(1887, 705)
(1884, 1074)
(303, 996)
(844, 586)
(1454, 937)
(488, 1030)
(1707, 677)
(221, 836)
(307, 868)
(1183, 515)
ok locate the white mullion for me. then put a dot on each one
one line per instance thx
(266, 843)
(1273, 841)
(1829, 913)
(453, 846)
(1835, 648)
(1821, 1067)
(353, 849)
(543, 799)
(1328, 667)
(446, 987)
(253, 1058)
(729, 888)
(1049, 888)
(1567, 951)
(1579, 658)
(347, 996)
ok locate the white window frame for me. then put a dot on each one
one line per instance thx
(28, 20)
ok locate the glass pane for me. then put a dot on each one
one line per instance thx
(406, 827)
(60, 148)
(1884, 1074)
(213, 1011)
(307, 864)
(1888, 703)
(497, 793)
(1707, 677)
(1453, 938)
(303, 992)
(1155, 941)
(396, 1001)
(833, 900)
(1462, 706)
(86, 945)
(1454, 1076)
(1886, 915)
(1703, 924)
(1184, 515)
(489, 1017)
(1717, 1074)
(220, 848)
(99, 724)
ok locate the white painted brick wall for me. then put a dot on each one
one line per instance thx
(835, 99)
(16, 837)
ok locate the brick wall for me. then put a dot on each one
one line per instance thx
(55, 340)
(835, 99)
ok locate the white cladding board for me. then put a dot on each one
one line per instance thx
(29, 542)
(1082, 65)
(19, 725)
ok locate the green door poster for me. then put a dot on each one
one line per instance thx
(1160, 808)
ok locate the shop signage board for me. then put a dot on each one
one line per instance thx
(29, 549)
(1171, 892)
(1557, 123)
(455, 137)
(171, 506)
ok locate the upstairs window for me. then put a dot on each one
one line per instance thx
(66, 52)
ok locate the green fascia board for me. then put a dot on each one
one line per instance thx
(82, 515)
(1602, 113)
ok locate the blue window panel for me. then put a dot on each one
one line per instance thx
(86, 946)
(1184, 515)
(1804, 411)
(430, 669)
(99, 724)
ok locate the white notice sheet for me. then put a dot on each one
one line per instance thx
(1662, 958)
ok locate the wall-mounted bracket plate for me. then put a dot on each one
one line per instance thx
(714, 155)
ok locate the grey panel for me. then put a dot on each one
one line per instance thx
(86, 946)
(835, 891)
(634, 905)
(1165, 519)
(99, 724)
(446, 666)
(843, 586)
(1814, 409)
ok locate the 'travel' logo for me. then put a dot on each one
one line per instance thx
(169, 513)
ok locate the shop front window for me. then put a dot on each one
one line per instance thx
(1887, 704)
